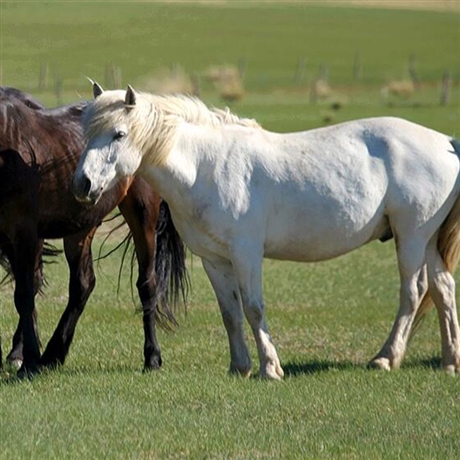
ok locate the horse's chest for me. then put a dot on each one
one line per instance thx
(199, 229)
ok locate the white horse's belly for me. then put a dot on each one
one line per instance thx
(313, 242)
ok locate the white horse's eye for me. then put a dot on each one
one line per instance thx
(119, 135)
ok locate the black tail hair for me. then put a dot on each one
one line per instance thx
(49, 251)
(173, 282)
(171, 276)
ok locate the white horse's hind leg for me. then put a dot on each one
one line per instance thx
(248, 271)
(220, 273)
(412, 270)
(442, 290)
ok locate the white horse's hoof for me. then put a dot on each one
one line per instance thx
(451, 369)
(380, 363)
(272, 371)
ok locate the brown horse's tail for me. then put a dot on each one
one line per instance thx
(171, 272)
(48, 252)
(171, 275)
(449, 249)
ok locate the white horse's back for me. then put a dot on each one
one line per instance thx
(318, 194)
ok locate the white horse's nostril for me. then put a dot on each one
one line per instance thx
(85, 185)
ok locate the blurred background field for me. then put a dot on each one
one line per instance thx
(292, 66)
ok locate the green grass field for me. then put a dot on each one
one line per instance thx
(327, 319)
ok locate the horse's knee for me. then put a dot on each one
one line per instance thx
(145, 287)
(88, 283)
(231, 322)
(442, 289)
(81, 288)
(412, 292)
(254, 313)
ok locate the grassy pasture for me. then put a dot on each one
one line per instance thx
(327, 319)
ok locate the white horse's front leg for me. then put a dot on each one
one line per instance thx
(248, 271)
(220, 273)
(411, 262)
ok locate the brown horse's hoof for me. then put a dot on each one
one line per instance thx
(14, 363)
(28, 372)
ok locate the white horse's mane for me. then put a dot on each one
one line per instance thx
(193, 110)
(153, 119)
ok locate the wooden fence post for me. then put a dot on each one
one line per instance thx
(357, 67)
(313, 91)
(196, 84)
(43, 76)
(58, 88)
(113, 76)
(445, 88)
(300, 71)
(413, 71)
(242, 67)
(323, 72)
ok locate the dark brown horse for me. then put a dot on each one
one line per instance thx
(39, 150)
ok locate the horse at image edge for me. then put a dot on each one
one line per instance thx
(238, 193)
(39, 150)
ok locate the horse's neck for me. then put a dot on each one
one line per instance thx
(177, 174)
(56, 136)
(199, 163)
(70, 111)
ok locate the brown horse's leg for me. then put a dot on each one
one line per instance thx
(141, 213)
(26, 243)
(15, 356)
(77, 250)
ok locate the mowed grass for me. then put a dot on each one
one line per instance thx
(327, 319)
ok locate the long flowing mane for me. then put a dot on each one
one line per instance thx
(14, 93)
(23, 120)
(41, 137)
(154, 118)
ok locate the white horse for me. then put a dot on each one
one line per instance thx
(238, 193)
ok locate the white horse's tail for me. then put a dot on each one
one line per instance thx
(449, 249)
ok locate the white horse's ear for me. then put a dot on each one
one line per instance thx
(130, 98)
(97, 89)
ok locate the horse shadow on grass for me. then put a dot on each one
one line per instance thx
(433, 363)
(296, 369)
(291, 369)
(9, 374)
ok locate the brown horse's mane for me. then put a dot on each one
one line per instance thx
(27, 99)
(22, 119)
